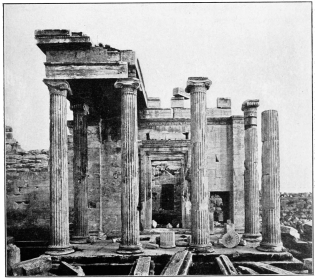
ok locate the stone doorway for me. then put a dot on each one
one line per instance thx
(166, 189)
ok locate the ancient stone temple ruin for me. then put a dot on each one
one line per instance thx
(125, 167)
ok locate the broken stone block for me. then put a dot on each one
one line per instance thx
(68, 269)
(230, 239)
(154, 224)
(308, 263)
(242, 242)
(13, 257)
(150, 246)
(291, 231)
(167, 240)
(33, 266)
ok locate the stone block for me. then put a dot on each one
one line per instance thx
(13, 257)
(308, 263)
(291, 231)
(150, 246)
(180, 92)
(177, 102)
(167, 239)
(154, 102)
(33, 266)
(223, 103)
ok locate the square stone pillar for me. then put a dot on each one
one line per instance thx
(200, 229)
(129, 188)
(80, 163)
(58, 164)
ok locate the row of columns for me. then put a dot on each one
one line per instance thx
(270, 183)
(197, 87)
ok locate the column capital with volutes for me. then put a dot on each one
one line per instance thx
(60, 87)
(80, 107)
(250, 112)
(133, 83)
(250, 103)
(193, 83)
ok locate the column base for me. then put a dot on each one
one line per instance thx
(265, 247)
(79, 239)
(129, 249)
(56, 250)
(201, 248)
(250, 237)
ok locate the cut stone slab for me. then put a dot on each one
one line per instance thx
(174, 266)
(68, 269)
(167, 240)
(263, 268)
(33, 266)
(142, 266)
(225, 265)
(247, 270)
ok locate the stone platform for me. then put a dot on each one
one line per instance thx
(103, 254)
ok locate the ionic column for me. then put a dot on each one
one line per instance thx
(270, 184)
(59, 219)
(80, 162)
(200, 229)
(251, 179)
(129, 187)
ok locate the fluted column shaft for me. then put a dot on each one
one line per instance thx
(59, 219)
(251, 179)
(129, 187)
(200, 229)
(80, 162)
(271, 229)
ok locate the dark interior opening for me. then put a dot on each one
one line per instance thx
(167, 197)
(219, 204)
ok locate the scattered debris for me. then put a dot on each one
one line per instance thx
(33, 266)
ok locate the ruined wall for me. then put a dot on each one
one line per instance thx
(27, 191)
(104, 169)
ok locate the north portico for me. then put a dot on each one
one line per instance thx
(127, 161)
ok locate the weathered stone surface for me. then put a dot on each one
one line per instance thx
(200, 228)
(291, 231)
(13, 257)
(176, 263)
(142, 266)
(154, 102)
(129, 188)
(80, 164)
(230, 239)
(167, 239)
(251, 173)
(271, 230)
(59, 243)
(33, 266)
(308, 263)
(224, 103)
(225, 265)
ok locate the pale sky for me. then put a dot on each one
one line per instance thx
(249, 51)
